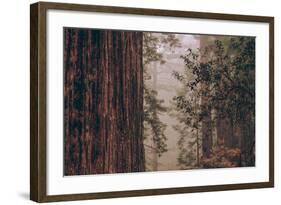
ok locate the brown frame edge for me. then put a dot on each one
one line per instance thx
(38, 182)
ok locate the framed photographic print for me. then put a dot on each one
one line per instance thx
(134, 102)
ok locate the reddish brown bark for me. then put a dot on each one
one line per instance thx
(103, 102)
(224, 131)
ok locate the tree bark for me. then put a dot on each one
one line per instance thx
(224, 129)
(103, 102)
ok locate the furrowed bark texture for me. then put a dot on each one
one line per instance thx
(103, 102)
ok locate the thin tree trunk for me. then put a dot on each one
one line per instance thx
(103, 102)
(154, 87)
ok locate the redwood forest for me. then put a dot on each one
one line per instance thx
(137, 101)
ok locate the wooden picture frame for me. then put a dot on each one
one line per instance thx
(39, 95)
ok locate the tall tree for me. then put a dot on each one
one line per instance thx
(103, 102)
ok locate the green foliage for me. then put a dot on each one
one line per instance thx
(150, 48)
(187, 157)
(186, 109)
(230, 78)
(152, 109)
(223, 72)
(153, 46)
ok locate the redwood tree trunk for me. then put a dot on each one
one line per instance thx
(103, 102)
(224, 133)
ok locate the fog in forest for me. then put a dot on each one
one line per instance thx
(174, 139)
(166, 86)
(141, 101)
